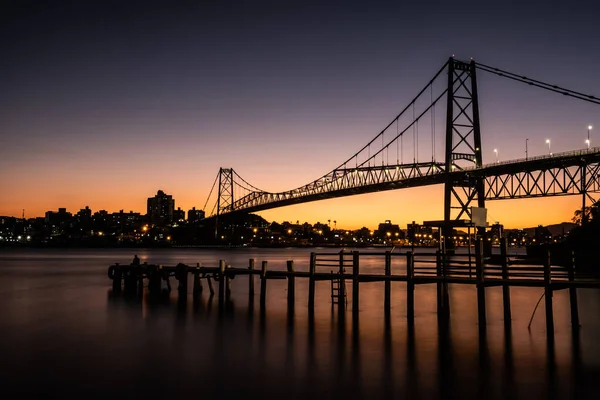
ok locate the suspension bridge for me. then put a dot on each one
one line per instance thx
(380, 164)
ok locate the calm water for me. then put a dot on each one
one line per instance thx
(65, 333)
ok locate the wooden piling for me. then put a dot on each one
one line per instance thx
(355, 281)
(251, 277)
(197, 282)
(291, 284)
(182, 277)
(410, 286)
(221, 282)
(228, 282)
(548, 295)
(117, 278)
(387, 283)
(505, 287)
(480, 273)
(154, 277)
(140, 277)
(440, 294)
(311, 281)
(342, 286)
(573, 292)
(263, 284)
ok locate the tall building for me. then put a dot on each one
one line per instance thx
(160, 209)
(179, 215)
(195, 215)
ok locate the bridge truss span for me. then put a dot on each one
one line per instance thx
(345, 182)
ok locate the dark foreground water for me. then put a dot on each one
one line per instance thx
(64, 333)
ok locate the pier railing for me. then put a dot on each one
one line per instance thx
(416, 268)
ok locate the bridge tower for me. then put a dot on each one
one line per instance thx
(463, 145)
(225, 198)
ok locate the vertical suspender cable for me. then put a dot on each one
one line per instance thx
(397, 144)
(414, 135)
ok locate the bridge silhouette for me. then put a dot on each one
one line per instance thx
(379, 165)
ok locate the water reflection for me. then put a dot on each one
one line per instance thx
(309, 355)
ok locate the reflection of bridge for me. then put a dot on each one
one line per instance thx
(466, 179)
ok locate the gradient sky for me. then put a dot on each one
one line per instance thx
(104, 103)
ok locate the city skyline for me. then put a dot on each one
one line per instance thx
(106, 105)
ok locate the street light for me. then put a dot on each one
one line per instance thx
(496, 151)
(588, 139)
(526, 155)
(549, 151)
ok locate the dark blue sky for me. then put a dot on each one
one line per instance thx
(148, 95)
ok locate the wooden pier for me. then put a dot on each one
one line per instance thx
(338, 268)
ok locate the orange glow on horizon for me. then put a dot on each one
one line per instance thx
(353, 212)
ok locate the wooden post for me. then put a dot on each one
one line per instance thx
(263, 284)
(221, 282)
(355, 281)
(210, 285)
(311, 281)
(291, 284)
(117, 278)
(548, 295)
(438, 273)
(251, 277)
(197, 283)
(154, 277)
(140, 277)
(342, 287)
(573, 293)
(480, 284)
(182, 270)
(410, 287)
(505, 286)
(228, 282)
(387, 284)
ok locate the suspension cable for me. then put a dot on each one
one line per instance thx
(540, 84)
(211, 190)
(400, 114)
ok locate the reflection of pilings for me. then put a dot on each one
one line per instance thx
(289, 348)
(576, 367)
(548, 297)
(445, 363)
(551, 365)
(483, 378)
(411, 364)
(387, 376)
(356, 358)
(341, 344)
(311, 364)
(509, 367)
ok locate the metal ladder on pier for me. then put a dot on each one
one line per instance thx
(338, 289)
